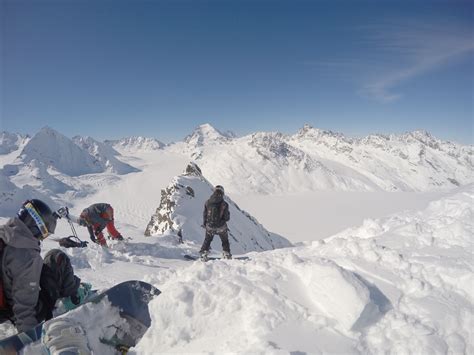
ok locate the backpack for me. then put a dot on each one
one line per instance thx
(214, 214)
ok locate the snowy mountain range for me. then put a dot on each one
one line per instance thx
(180, 211)
(258, 163)
(313, 159)
(50, 163)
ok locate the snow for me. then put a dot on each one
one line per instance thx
(370, 272)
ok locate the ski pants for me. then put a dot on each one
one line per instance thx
(57, 281)
(97, 236)
(210, 232)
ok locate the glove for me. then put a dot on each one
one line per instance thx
(68, 242)
(82, 222)
(63, 212)
(75, 300)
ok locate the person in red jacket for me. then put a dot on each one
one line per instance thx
(96, 218)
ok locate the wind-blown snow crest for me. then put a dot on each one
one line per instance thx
(181, 210)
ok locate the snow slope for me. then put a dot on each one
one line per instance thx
(403, 284)
(400, 284)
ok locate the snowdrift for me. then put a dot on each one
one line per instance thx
(398, 285)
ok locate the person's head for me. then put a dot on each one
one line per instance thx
(219, 190)
(38, 217)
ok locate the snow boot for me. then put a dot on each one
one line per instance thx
(65, 336)
(226, 255)
(204, 255)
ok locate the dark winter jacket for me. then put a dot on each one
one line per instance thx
(58, 276)
(98, 215)
(216, 211)
(21, 271)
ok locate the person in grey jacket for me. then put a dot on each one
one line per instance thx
(30, 287)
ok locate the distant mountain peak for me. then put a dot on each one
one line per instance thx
(135, 143)
(309, 132)
(205, 134)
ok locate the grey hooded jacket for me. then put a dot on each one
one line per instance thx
(21, 272)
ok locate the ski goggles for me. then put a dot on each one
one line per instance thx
(38, 220)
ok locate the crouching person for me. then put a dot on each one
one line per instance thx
(29, 286)
(96, 218)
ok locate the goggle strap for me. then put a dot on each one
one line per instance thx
(38, 220)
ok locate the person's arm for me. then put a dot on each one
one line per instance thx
(226, 214)
(204, 215)
(25, 270)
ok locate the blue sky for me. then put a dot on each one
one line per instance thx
(110, 69)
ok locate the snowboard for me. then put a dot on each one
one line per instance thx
(131, 298)
(193, 258)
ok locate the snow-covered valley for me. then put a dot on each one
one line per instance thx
(370, 271)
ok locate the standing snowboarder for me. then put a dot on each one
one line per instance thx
(215, 217)
(96, 218)
(29, 286)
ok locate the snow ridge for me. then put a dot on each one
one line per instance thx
(181, 207)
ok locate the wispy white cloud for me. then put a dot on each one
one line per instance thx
(414, 49)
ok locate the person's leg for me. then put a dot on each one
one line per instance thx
(207, 241)
(91, 233)
(100, 239)
(57, 281)
(114, 233)
(225, 242)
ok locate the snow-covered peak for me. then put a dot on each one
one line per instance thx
(10, 142)
(205, 134)
(308, 132)
(136, 143)
(180, 212)
(56, 150)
